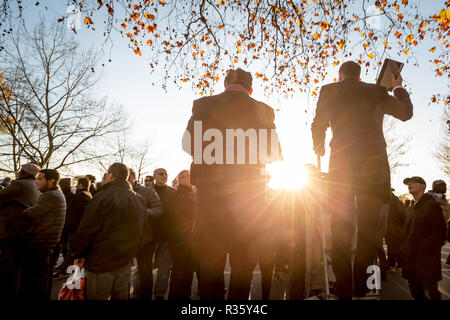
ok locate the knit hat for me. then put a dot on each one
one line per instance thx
(31, 169)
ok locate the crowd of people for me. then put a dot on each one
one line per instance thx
(119, 230)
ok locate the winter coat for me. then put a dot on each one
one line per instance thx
(111, 228)
(161, 224)
(47, 218)
(181, 215)
(14, 199)
(75, 210)
(424, 236)
(153, 210)
(354, 110)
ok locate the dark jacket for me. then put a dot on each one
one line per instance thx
(153, 210)
(47, 218)
(231, 110)
(75, 210)
(68, 195)
(162, 224)
(424, 236)
(181, 215)
(355, 112)
(396, 218)
(111, 228)
(14, 199)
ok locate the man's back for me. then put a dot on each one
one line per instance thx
(229, 111)
(355, 111)
(111, 228)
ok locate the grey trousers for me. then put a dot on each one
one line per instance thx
(114, 284)
(164, 263)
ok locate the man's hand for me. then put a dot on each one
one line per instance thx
(79, 262)
(320, 150)
(396, 82)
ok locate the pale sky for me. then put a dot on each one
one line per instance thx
(163, 116)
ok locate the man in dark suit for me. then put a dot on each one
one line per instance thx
(358, 167)
(230, 185)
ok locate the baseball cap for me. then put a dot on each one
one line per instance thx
(414, 179)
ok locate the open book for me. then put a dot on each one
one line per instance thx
(389, 67)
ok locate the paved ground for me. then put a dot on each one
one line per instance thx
(395, 288)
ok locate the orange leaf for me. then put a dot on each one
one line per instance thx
(341, 44)
(88, 20)
(370, 55)
(316, 36)
(432, 49)
(409, 38)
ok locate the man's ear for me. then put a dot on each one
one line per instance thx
(340, 77)
(251, 91)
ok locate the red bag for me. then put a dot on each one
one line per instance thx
(75, 286)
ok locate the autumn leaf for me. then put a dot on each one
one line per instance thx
(316, 36)
(365, 45)
(405, 51)
(370, 55)
(185, 79)
(149, 42)
(88, 20)
(341, 44)
(138, 52)
(385, 43)
(110, 9)
(400, 17)
(324, 25)
(409, 38)
(432, 49)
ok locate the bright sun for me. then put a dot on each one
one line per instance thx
(286, 175)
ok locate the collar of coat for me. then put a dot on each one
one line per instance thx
(118, 184)
(236, 87)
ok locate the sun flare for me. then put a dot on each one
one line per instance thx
(286, 175)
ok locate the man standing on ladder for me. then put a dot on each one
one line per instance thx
(359, 168)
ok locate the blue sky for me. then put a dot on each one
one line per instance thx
(162, 116)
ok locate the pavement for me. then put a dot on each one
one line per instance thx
(394, 288)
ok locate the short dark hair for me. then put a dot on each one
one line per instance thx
(90, 177)
(65, 183)
(132, 173)
(84, 182)
(50, 174)
(350, 69)
(150, 177)
(239, 76)
(119, 171)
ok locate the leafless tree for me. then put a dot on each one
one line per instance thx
(397, 145)
(136, 155)
(54, 118)
(442, 154)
